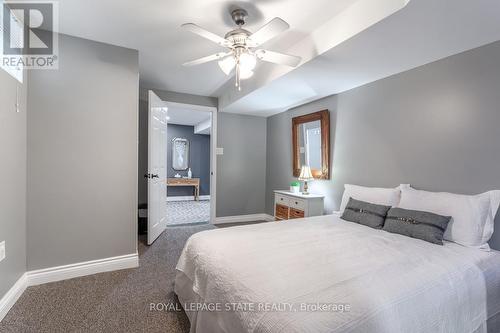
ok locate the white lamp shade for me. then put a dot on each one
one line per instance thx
(248, 61)
(227, 64)
(245, 74)
(305, 173)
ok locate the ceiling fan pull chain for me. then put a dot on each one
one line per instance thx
(238, 82)
(236, 77)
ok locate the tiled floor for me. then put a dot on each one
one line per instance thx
(185, 212)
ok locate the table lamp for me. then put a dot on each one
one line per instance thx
(305, 175)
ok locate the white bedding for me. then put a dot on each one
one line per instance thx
(390, 282)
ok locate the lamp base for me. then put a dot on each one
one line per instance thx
(305, 192)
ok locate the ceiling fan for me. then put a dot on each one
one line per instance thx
(242, 54)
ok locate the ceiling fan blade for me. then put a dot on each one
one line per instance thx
(267, 32)
(206, 34)
(278, 58)
(209, 58)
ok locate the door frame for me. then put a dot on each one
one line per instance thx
(213, 150)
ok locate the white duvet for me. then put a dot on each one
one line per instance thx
(385, 282)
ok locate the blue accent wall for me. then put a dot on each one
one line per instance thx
(199, 159)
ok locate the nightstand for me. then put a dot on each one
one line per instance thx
(288, 205)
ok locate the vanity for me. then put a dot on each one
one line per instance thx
(194, 182)
(289, 206)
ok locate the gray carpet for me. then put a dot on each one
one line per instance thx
(109, 302)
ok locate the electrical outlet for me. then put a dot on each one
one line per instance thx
(2, 250)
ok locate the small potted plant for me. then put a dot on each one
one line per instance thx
(295, 187)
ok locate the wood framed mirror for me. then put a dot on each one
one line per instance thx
(311, 144)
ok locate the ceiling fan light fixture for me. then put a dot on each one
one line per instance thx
(245, 73)
(248, 61)
(227, 64)
(241, 56)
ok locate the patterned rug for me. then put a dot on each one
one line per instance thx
(185, 212)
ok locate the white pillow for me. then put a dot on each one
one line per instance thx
(376, 195)
(472, 216)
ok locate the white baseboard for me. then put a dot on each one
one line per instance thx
(59, 273)
(188, 198)
(269, 218)
(11, 297)
(71, 271)
(244, 218)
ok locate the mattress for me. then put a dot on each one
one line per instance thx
(323, 274)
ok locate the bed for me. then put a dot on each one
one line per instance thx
(323, 274)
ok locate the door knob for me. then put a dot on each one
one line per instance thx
(155, 176)
(151, 176)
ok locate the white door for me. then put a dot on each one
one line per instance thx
(157, 167)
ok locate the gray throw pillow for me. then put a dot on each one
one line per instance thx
(365, 213)
(426, 226)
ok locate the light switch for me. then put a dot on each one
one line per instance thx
(2, 250)
(219, 151)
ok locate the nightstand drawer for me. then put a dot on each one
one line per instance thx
(281, 200)
(281, 212)
(297, 203)
(296, 213)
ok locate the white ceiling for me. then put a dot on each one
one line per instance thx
(153, 28)
(422, 32)
(186, 116)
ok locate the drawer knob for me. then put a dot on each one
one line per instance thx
(296, 203)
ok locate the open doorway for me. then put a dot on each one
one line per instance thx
(181, 164)
(189, 168)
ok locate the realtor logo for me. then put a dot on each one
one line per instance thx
(28, 33)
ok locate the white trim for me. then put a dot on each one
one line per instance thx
(213, 167)
(11, 297)
(244, 218)
(269, 218)
(71, 271)
(59, 273)
(201, 128)
(192, 107)
(213, 149)
(188, 198)
(17, 70)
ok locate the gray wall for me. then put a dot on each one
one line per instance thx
(241, 171)
(12, 181)
(199, 159)
(82, 155)
(143, 128)
(143, 152)
(435, 127)
(279, 171)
